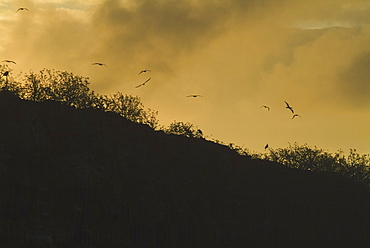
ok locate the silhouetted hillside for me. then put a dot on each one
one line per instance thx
(85, 178)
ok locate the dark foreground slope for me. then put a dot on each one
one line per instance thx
(83, 178)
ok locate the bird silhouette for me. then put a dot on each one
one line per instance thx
(9, 61)
(194, 96)
(266, 107)
(295, 115)
(143, 71)
(19, 9)
(288, 107)
(143, 83)
(266, 146)
(101, 64)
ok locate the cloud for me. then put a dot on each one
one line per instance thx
(354, 81)
(263, 38)
(164, 29)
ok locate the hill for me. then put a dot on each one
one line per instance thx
(87, 178)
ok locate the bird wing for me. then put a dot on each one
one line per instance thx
(143, 71)
(143, 83)
(287, 104)
(97, 63)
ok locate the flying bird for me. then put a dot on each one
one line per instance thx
(143, 71)
(295, 115)
(266, 107)
(9, 61)
(266, 146)
(288, 107)
(101, 64)
(143, 83)
(19, 9)
(194, 96)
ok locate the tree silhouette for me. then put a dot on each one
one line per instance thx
(57, 86)
(185, 129)
(132, 108)
(6, 81)
(73, 90)
(354, 166)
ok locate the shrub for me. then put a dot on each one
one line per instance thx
(6, 80)
(185, 129)
(74, 91)
(131, 108)
(354, 166)
(57, 86)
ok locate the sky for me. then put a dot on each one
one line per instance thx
(237, 54)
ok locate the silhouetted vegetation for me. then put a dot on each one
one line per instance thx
(183, 128)
(131, 108)
(354, 165)
(72, 90)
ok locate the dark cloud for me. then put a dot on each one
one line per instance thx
(159, 35)
(354, 81)
(177, 24)
(294, 38)
(163, 29)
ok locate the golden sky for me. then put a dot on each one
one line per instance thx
(238, 54)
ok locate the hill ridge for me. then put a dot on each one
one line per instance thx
(87, 178)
